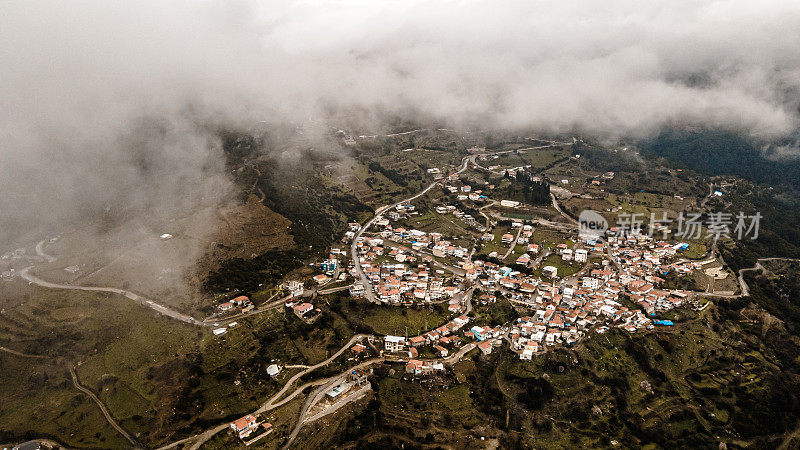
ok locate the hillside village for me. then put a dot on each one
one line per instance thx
(562, 291)
(485, 267)
(462, 249)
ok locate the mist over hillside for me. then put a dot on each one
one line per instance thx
(112, 105)
(399, 224)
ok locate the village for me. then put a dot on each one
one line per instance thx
(562, 292)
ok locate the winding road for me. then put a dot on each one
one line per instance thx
(745, 289)
(108, 416)
(368, 292)
(317, 394)
(273, 402)
(40, 252)
(26, 275)
(561, 211)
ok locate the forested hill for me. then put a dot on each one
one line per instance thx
(720, 152)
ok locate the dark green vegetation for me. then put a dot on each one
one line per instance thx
(408, 414)
(634, 173)
(523, 188)
(318, 211)
(778, 291)
(38, 401)
(161, 379)
(772, 190)
(682, 387)
(779, 234)
(494, 314)
(245, 275)
(729, 374)
(723, 152)
(366, 317)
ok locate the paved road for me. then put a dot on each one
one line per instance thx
(456, 270)
(222, 321)
(745, 289)
(209, 322)
(25, 274)
(349, 397)
(707, 197)
(502, 172)
(40, 251)
(455, 357)
(393, 134)
(273, 402)
(468, 300)
(268, 404)
(109, 418)
(488, 219)
(544, 222)
(561, 211)
(332, 290)
(368, 292)
(315, 396)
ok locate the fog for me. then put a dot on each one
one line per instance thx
(117, 104)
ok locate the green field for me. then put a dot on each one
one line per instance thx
(37, 398)
(537, 159)
(497, 244)
(696, 250)
(498, 313)
(142, 365)
(565, 268)
(394, 320)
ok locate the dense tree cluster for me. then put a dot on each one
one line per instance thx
(525, 187)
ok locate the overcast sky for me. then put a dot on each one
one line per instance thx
(109, 102)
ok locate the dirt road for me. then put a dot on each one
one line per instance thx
(26, 275)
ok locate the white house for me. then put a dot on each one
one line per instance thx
(590, 283)
(244, 426)
(394, 343)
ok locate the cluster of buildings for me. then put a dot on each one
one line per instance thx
(622, 291)
(642, 261)
(419, 241)
(241, 302)
(420, 367)
(399, 275)
(563, 313)
(443, 340)
(468, 219)
(330, 268)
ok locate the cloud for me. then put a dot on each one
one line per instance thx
(117, 102)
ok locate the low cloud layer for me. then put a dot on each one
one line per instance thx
(109, 103)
